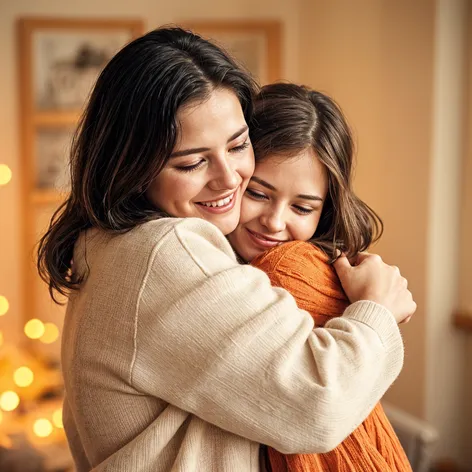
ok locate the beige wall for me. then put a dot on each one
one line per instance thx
(445, 355)
(465, 245)
(397, 70)
(383, 80)
(466, 201)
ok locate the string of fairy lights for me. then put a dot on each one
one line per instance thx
(14, 385)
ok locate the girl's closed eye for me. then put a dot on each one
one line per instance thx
(303, 210)
(241, 147)
(256, 194)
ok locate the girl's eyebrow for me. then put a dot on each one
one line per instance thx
(271, 187)
(187, 152)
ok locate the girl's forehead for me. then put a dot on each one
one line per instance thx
(300, 174)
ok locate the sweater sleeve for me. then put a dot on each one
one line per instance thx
(214, 338)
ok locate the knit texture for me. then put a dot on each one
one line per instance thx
(303, 270)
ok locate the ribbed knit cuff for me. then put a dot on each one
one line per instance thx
(380, 319)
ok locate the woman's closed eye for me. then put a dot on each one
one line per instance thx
(197, 165)
(191, 167)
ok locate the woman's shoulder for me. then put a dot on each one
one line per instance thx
(181, 230)
(156, 239)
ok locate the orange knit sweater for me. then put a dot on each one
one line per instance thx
(303, 270)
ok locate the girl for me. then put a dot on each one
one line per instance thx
(301, 190)
(166, 359)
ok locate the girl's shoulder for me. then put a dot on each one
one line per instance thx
(294, 253)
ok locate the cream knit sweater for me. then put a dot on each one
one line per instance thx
(177, 358)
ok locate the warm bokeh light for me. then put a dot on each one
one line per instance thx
(9, 400)
(1, 339)
(42, 427)
(34, 329)
(57, 418)
(4, 305)
(51, 333)
(5, 174)
(1, 416)
(23, 376)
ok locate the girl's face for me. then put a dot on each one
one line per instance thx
(283, 202)
(210, 167)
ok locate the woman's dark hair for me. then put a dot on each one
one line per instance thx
(126, 135)
(289, 119)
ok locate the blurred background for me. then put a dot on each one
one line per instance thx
(401, 71)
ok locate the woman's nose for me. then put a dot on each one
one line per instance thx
(225, 177)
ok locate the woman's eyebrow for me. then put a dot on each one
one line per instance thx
(186, 152)
(271, 187)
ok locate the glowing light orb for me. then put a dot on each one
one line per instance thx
(34, 329)
(57, 418)
(23, 376)
(9, 400)
(42, 428)
(51, 333)
(5, 174)
(4, 305)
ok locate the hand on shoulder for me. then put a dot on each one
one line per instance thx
(369, 278)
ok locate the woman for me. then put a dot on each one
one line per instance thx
(166, 359)
(301, 190)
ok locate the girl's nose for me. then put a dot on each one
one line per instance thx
(273, 220)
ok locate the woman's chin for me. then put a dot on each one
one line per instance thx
(226, 224)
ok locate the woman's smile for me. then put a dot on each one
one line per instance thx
(221, 205)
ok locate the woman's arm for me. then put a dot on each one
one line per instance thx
(215, 339)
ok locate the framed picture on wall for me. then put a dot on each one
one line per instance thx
(255, 44)
(60, 60)
(67, 63)
(68, 55)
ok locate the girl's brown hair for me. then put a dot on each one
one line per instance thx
(126, 135)
(290, 118)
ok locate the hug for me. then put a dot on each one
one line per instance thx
(223, 313)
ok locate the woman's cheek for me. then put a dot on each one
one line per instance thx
(250, 209)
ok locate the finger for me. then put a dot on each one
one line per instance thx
(341, 264)
(353, 260)
(362, 256)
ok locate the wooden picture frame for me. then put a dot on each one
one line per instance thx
(59, 59)
(255, 44)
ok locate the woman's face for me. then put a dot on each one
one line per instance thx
(210, 167)
(282, 203)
